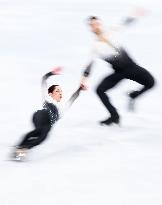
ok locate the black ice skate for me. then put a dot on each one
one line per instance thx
(110, 121)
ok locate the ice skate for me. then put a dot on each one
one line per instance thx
(131, 104)
(110, 121)
(19, 154)
(131, 101)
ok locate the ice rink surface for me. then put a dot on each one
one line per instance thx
(81, 163)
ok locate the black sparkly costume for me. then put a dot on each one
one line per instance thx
(43, 120)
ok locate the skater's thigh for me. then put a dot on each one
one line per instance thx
(141, 75)
(110, 81)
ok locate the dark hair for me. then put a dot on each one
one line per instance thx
(52, 88)
(90, 18)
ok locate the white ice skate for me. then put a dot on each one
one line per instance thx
(20, 155)
(131, 105)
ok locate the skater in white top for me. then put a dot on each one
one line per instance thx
(122, 64)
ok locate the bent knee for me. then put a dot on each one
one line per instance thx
(151, 83)
(99, 91)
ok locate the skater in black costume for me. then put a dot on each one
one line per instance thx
(43, 119)
(124, 68)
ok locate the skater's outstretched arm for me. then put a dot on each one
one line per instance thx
(55, 71)
(137, 13)
(71, 100)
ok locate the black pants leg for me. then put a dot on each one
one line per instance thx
(108, 83)
(41, 121)
(141, 76)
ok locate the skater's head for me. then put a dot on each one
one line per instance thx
(95, 24)
(55, 92)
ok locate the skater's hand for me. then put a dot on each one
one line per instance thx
(83, 87)
(140, 12)
(57, 70)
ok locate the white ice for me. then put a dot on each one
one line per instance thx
(81, 163)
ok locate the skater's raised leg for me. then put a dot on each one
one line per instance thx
(143, 77)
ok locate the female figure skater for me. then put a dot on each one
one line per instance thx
(43, 119)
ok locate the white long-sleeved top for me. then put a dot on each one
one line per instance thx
(101, 49)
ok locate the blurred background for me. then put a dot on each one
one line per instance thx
(81, 163)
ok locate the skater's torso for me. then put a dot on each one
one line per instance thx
(103, 50)
(52, 110)
(113, 53)
(122, 62)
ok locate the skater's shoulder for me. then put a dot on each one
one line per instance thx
(49, 105)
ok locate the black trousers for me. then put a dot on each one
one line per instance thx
(42, 125)
(133, 72)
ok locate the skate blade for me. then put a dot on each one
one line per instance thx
(18, 159)
(110, 125)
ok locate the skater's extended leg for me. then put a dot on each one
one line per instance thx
(35, 137)
(42, 123)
